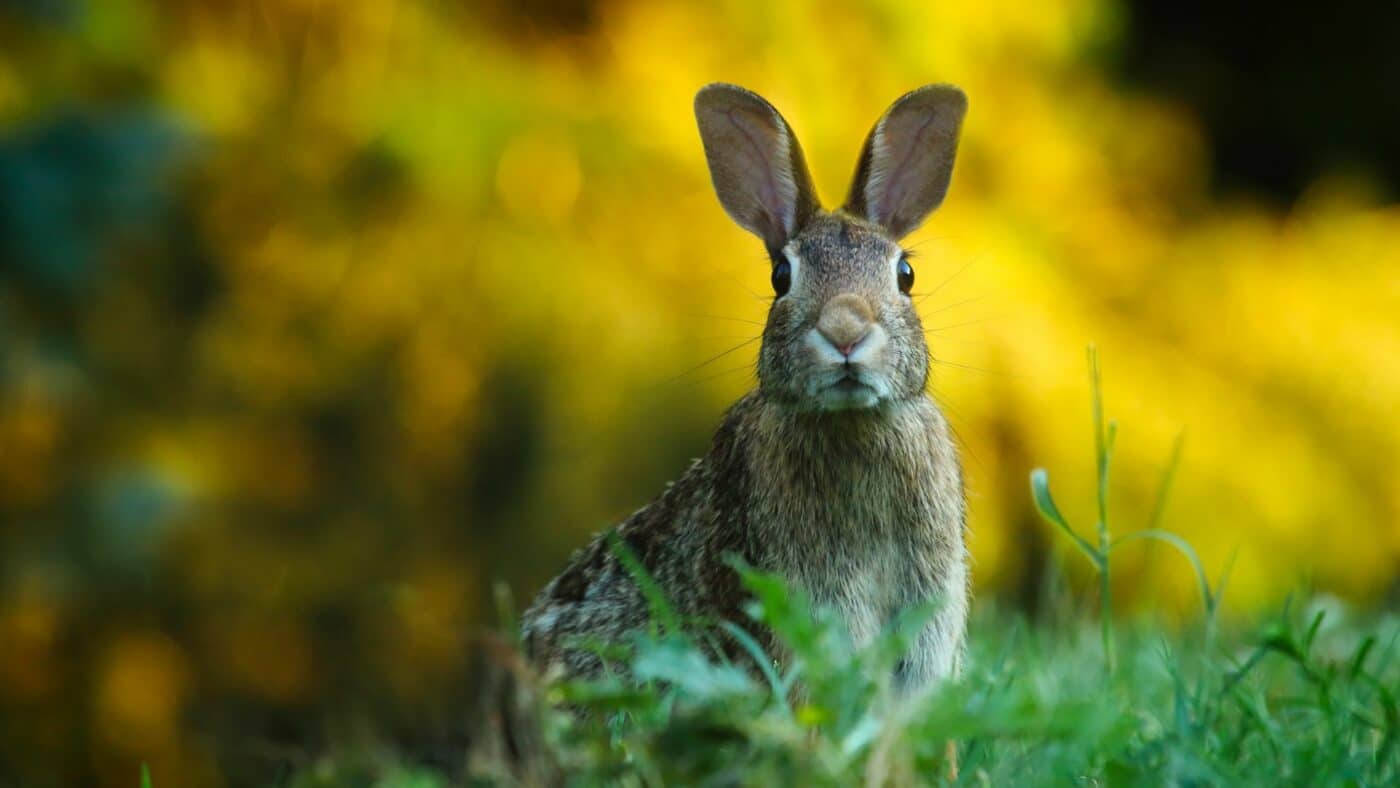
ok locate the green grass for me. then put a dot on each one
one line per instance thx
(1307, 699)
(1306, 696)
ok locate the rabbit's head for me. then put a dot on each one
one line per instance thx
(842, 332)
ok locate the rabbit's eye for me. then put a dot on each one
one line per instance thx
(782, 277)
(904, 274)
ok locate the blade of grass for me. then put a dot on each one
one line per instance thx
(1104, 437)
(1045, 504)
(1159, 505)
(1183, 547)
(764, 662)
(1103, 440)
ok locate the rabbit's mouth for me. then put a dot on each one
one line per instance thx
(850, 390)
(850, 384)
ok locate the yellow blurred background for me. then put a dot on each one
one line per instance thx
(316, 318)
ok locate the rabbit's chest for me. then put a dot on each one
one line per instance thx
(868, 520)
(869, 555)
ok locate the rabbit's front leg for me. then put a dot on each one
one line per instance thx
(936, 652)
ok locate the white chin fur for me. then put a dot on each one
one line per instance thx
(831, 399)
(827, 393)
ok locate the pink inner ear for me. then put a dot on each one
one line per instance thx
(897, 148)
(761, 164)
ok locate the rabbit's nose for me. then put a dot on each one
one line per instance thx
(845, 321)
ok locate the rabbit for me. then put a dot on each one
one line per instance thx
(838, 471)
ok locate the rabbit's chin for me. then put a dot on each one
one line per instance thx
(842, 390)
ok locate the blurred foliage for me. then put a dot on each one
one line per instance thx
(315, 318)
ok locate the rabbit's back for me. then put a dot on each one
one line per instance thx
(681, 540)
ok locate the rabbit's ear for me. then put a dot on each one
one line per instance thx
(907, 161)
(755, 163)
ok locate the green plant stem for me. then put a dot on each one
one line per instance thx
(1103, 450)
(1106, 617)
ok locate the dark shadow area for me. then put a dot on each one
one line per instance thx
(1286, 92)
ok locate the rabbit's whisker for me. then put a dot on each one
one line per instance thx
(951, 412)
(957, 325)
(955, 275)
(730, 371)
(710, 361)
(944, 339)
(969, 367)
(955, 305)
(730, 319)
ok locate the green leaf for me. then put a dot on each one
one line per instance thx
(1040, 492)
(1159, 506)
(1183, 547)
(763, 660)
(678, 663)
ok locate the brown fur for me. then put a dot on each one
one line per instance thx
(838, 472)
